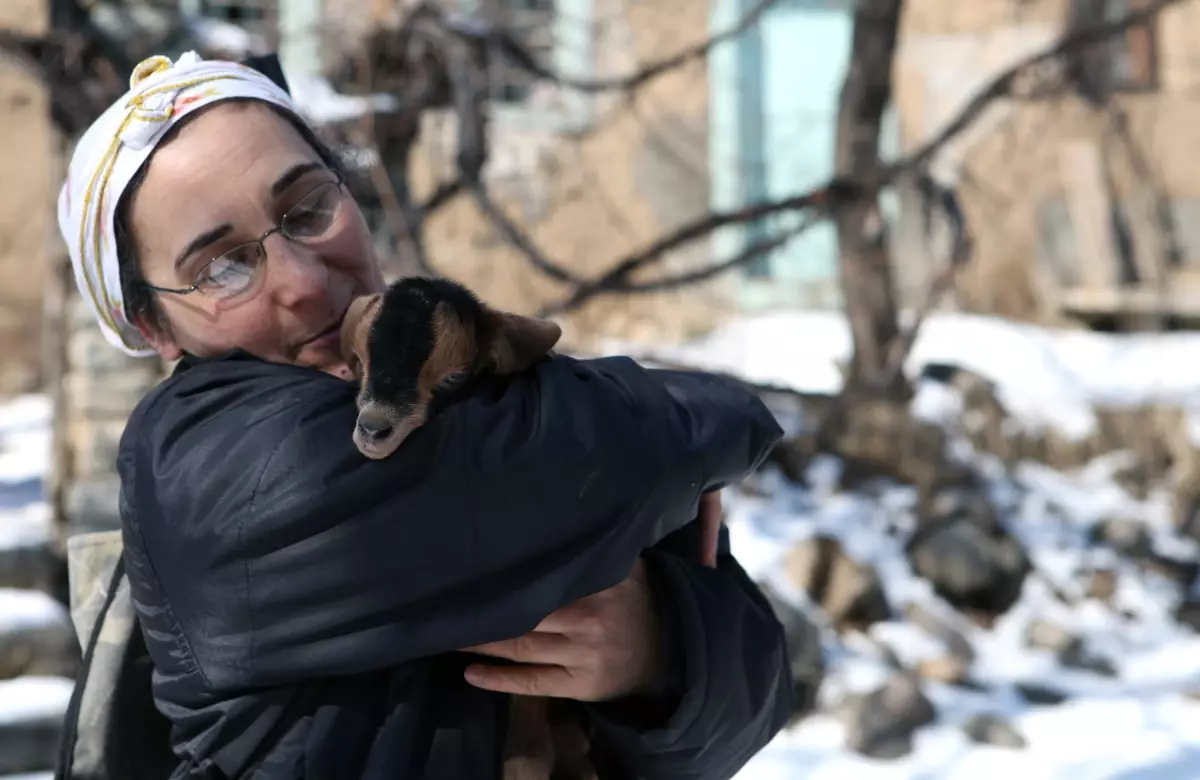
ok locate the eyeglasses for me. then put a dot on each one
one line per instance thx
(236, 271)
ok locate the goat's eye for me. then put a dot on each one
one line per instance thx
(451, 381)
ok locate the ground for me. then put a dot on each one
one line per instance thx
(1138, 721)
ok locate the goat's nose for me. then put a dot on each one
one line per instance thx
(374, 427)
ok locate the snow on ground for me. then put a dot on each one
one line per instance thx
(25, 520)
(33, 698)
(1141, 724)
(1045, 376)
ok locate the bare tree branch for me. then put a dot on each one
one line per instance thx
(746, 256)
(632, 82)
(517, 237)
(444, 193)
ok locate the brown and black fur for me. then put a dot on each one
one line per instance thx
(411, 348)
(421, 341)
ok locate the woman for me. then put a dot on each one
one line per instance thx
(313, 614)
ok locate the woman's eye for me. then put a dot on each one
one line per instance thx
(313, 216)
(300, 219)
(231, 271)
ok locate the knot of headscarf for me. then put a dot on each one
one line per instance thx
(115, 147)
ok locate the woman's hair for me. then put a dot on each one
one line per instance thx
(140, 303)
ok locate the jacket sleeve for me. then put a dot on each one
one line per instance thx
(728, 690)
(282, 554)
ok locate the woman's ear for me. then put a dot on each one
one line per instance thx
(160, 339)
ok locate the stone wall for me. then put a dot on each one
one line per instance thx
(26, 201)
(102, 386)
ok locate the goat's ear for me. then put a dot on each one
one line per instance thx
(357, 325)
(516, 342)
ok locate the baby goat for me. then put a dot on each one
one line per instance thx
(421, 341)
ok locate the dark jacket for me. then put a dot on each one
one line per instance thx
(303, 605)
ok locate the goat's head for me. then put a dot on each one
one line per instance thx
(422, 338)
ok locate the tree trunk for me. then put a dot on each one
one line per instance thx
(865, 268)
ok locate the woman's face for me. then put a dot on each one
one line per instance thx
(229, 176)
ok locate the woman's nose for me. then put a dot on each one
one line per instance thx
(294, 274)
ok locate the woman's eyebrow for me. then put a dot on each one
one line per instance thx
(201, 241)
(292, 175)
(289, 177)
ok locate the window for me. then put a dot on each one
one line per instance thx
(1126, 63)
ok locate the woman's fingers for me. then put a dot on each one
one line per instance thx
(536, 647)
(710, 527)
(524, 680)
(600, 647)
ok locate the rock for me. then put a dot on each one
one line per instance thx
(793, 456)
(961, 504)
(1180, 571)
(1069, 650)
(1048, 636)
(1102, 585)
(1126, 536)
(805, 656)
(977, 569)
(1136, 479)
(29, 745)
(849, 592)
(881, 724)
(45, 650)
(971, 684)
(1040, 694)
(993, 730)
(40, 641)
(955, 640)
(1077, 656)
(946, 669)
(877, 436)
(31, 567)
(1188, 613)
(1185, 500)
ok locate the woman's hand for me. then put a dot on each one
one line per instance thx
(601, 647)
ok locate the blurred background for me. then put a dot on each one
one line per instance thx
(955, 245)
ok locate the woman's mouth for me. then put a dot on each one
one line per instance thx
(331, 336)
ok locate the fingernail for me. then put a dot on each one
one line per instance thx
(473, 675)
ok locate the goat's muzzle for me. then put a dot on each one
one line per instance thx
(380, 430)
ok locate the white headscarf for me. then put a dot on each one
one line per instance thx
(111, 152)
